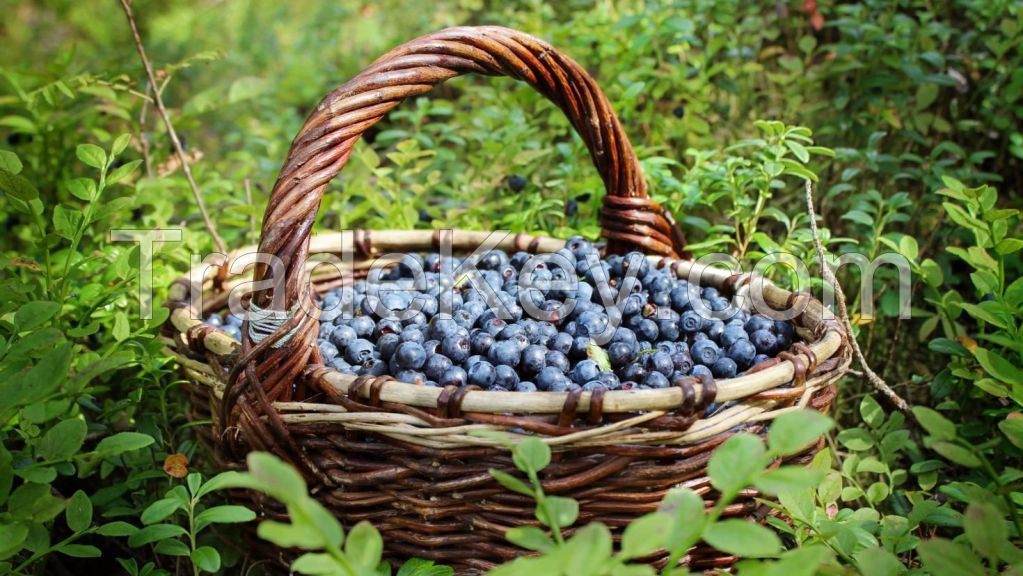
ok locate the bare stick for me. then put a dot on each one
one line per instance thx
(879, 384)
(158, 100)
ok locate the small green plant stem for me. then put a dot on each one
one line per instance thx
(541, 499)
(86, 221)
(33, 558)
(191, 532)
(988, 469)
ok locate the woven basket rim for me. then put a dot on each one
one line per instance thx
(824, 346)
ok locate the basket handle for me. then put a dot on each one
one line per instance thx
(629, 219)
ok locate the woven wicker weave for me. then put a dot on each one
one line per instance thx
(404, 456)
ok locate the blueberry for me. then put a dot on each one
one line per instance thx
(453, 376)
(359, 351)
(760, 358)
(525, 386)
(387, 344)
(410, 355)
(534, 359)
(704, 352)
(781, 328)
(742, 352)
(413, 334)
(580, 348)
(455, 347)
(679, 111)
(436, 365)
(682, 362)
(635, 372)
(765, 341)
(724, 367)
(660, 362)
(505, 376)
(516, 183)
(342, 336)
(557, 360)
(691, 321)
(732, 334)
(214, 320)
(363, 326)
(759, 322)
(594, 385)
(550, 378)
(656, 380)
(482, 374)
(701, 370)
(609, 380)
(505, 352)
(480, 342)
(620, 353)
(715, 328)
(327, 350)
(668, 329)
(647, 330)
(411, 377)
(585, 371)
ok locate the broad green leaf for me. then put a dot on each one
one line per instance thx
(10, 162)
(120, 144)
(63, 440)
(227, 514)
(589, 549)
(155, 533)
(116, 529)
(686, 510)
(316, 563)
(420, 567)
(18, 187)
(288, 535)
(230, 479)
(122, 172)
(934, 423)
(160, 510)
(1012, 427)
(793, 431)
(364, 545)
(878, 561)
(78, 512)
(172, 548)
(206, 558)
(788, 479)
(512, 483)
(531, 454)
(956, 453)
(123, 442)
(645, 535)
(530, 538)
(736, 462)
(34, 314)
(91, 155)
(280, 480)
(82, 188)
(11, 538)
(941, 556)
(557, 510)
(985, 528)
(743, 538)
(997, 366)
(79, 550)
(871, 412)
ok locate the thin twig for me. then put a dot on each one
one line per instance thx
(252, 213)
(158, 101)
(879, 384)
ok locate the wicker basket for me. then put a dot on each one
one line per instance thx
(404, 456)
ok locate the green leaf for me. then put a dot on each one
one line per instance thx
(11, 538)
(155, 533)
(736, 462)
(798, 150)
(91, 155)
(686, 510)
(420, 567)
(78, 512)
(871, 412)
(34, 314)
(160, 510)
(288, 535)
(793, 431)
(172, 548)
(10, 162)
(941, 556)
(530, 538)
(18, 187)
(226, 514)
(531, 455)
(557, 510)
(878, 561)
(743, 538)
(645, 535)
(596, 353)
(123, 171)
(230, 479)
(997, 366)
(1012, 427)
(589, 550)
(985, 528)
(981, 313)
(512, 483)
(122, 442)
(278, 479)
(63, 440)
(364, 545)
(788, 479)
(82, 188)
(120, 144)
(116, 529)
(316, 563)
(934, 423)
(956, 454)
(206, 559)
(79, 551)
(926, 94)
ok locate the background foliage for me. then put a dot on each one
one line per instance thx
(913, 133)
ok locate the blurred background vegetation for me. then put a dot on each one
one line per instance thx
(915, 106)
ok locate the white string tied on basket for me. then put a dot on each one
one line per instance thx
(264, 323)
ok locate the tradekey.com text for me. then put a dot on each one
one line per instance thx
(545, 287)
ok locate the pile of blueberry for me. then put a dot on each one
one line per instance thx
(546, 322)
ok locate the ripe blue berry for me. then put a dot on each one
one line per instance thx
(704, 352)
